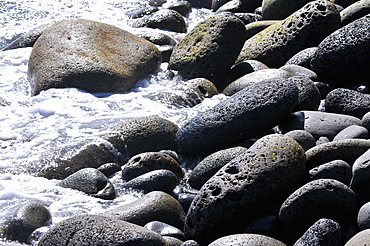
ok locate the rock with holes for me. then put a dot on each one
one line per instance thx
(354, 11)
(322, 232)
(337, 169)
(247, 240)
(305, 28)
(319, 124)
(244, 188)
(346, 101)
(211, 164)
(344, 55)
(280, 9)
(149, 161)
(90, 181)
(254, 77)
(322, 198)
(91, 56)
(154, 206)
(303, 57)
(99, 230)
(209, 49)
(309, 96)
(148, 133)
(188, 93)
(245, 115)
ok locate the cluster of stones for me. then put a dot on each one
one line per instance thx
(284, 157)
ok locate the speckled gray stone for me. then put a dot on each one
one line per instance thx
(337, 169)
(165, 229)
(366, 121)
(309, 96)
(305, 28)
(280, 9)
(243, 68)
(354, 11)
(351, 132)
(247, 240)
(363, 217)
(303, 57)
(240, 191)
(344, 55)
(360, 180)
(304, 138)
(297, 70)
(361, 238)
(322, 198)
(246, 114)
(255, 27)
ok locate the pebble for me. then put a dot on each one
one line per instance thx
(255, 27)
(297, 70)
(108, 169)
(165, 229)
(361, 238)
(363, 217)
(360, 178)
(366, 121)
(267, 224)
(352, 132)
(243, 68)
(182, 7)
(280, 9)
(304, 138)
(337, 169)
(303, 57)
(354, 11)
(309, 96)
(246, 240)
(172, 241)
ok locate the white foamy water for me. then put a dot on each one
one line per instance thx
(33, 126)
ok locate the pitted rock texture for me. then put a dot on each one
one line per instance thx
(309, 96)
(209, 49)
(303, 57)
(344, 55)
(305, 28)
(246, 114)
(247, 240)
(91, 56)
(241, 190)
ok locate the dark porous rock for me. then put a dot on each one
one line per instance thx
(91, 56)
(305, 28)
(245, 115)
(190, 243)
(344, 55)
(150, 161)
(361, 238)
(209, 49)
(243, 68)
(108, 169)
(297, 70)
(158, 38)
(72, 157)
(246, 240)
(337, 169)
(244, 188)
(303, 57)
(247, 18)
(142, 12)
(319, 124)
(148, 133)
(267, 224)
(172, 241)
(351, 132)
(255, 27)
(188, 93)
(363, 217)
(99, 230)
(360, 180)
(201, 3)
(309, 96)
(23, 220)
(205, 169)
(280, 9)
(304, 138)
(27, 39)
(90, 181)
(346, 101)
(164, 19)
(183, 7)
(323, 232)
(354, 11)
(324, 89)
(322, 198)
(154, 206)
(165, 229)
(157, 180)
(255, 77)
(347, 150)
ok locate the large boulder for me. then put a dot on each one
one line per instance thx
(91, 56)
(305, 28)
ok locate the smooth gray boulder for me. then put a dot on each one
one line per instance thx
(360, 176)
(337, 169)
(303, 57)
(304, 138)
(245, 115)
(91, 56)
(247, 240)
(265, 174)
(280, 9)
(352, 132)
(361, 238)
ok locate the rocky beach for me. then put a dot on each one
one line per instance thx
(185, 123)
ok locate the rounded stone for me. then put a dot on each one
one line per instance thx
(360, 179)
(323, 232)
(157, 180)
(352, 132)
(302, 58)
(322, 198)
(305, 28)
(297, 70)
(346, 101)
(304, 138)
(267, 224)
(363, 217)
(158, 38)
(280, 9)
(205, 169)
(149, 161)
(183, 7)
(255, 27)
(76, 53)
(366, 121)
(154, 206)
(265, 174)
(247, 18)
(361, 238)
(90, 181)
(165, 229)
(337, 169)
(190, 243)
(247, 240)
(243, 68)
(246, 114)
(354, 11)
(209, 49)
(324, 89)
(108, 169)
(172, 241)
(138, 13)
(254, 77)
(99, 230)
(309, 96)
(344, 55)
